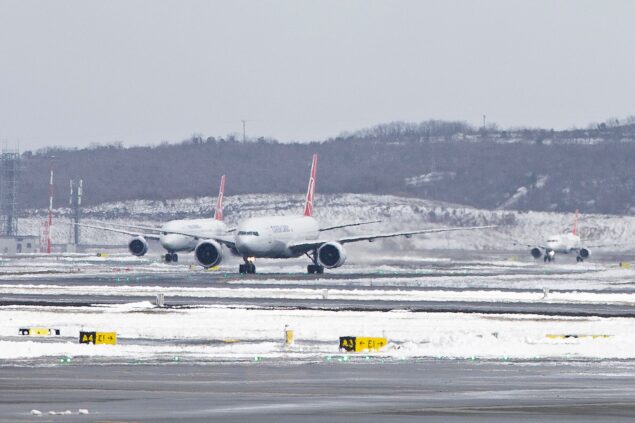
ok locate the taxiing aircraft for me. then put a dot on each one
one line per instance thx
(289, 237)
(168, 235)
(567, 243)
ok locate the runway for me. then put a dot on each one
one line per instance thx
(545, 309)
(446, 285)
(430, 390)
(467, 339)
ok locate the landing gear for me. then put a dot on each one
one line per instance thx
(171, 257)
(314, 268)
(248, 268)
(579, 259)
(549, 259)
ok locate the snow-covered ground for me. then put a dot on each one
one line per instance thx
(202, 332)
(235, 334)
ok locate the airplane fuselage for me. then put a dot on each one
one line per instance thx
(269, 237)
(563, 243)
(175, 243)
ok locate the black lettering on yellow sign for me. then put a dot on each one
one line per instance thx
(39, 331)
(106, 338)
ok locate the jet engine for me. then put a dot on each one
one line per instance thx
(138, 246)
(208, 253)
(331, 255)
(536, 252)
(585, 253)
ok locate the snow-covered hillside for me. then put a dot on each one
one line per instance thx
(397, 213)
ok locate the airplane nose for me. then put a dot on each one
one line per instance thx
(246, 245)
(241, 244)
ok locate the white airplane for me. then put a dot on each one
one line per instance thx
(167, 235)
(566, 243)
(289, 237)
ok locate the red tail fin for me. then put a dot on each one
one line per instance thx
(575, 222)
(308, 205)
(218, 211)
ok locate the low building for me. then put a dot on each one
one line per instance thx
(12, 245)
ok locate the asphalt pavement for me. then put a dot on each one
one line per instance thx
(422, 390)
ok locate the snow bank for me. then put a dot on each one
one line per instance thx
(219, 333)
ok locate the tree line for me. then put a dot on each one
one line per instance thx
(589, 168)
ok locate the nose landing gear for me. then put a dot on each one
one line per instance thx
(248, 268)
(171, 257)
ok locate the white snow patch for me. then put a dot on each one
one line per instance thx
(219, 333)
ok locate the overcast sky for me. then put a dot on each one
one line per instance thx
(79, 72)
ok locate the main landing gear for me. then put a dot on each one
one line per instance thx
(171, 257)
(579, 259)
(549, 259)
(248, 268)
(314, 268)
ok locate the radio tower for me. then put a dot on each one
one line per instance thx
(10, 168)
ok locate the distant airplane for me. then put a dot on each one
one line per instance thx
(566, 243)
(171, 241)
(289, 237)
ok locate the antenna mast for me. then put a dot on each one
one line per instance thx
(49, 243)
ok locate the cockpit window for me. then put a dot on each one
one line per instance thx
(254, 233)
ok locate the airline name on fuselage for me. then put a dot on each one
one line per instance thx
(277, 229)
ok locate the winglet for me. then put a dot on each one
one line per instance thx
(308, 205)
(218, 210)
(575, 222)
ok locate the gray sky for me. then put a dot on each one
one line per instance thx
(79, 72)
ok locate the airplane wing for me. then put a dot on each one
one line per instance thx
(305, 246)
(120, 231)
(137, 227)
(226, 240)
(536, 245)
(348, 225)
(602, 246)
